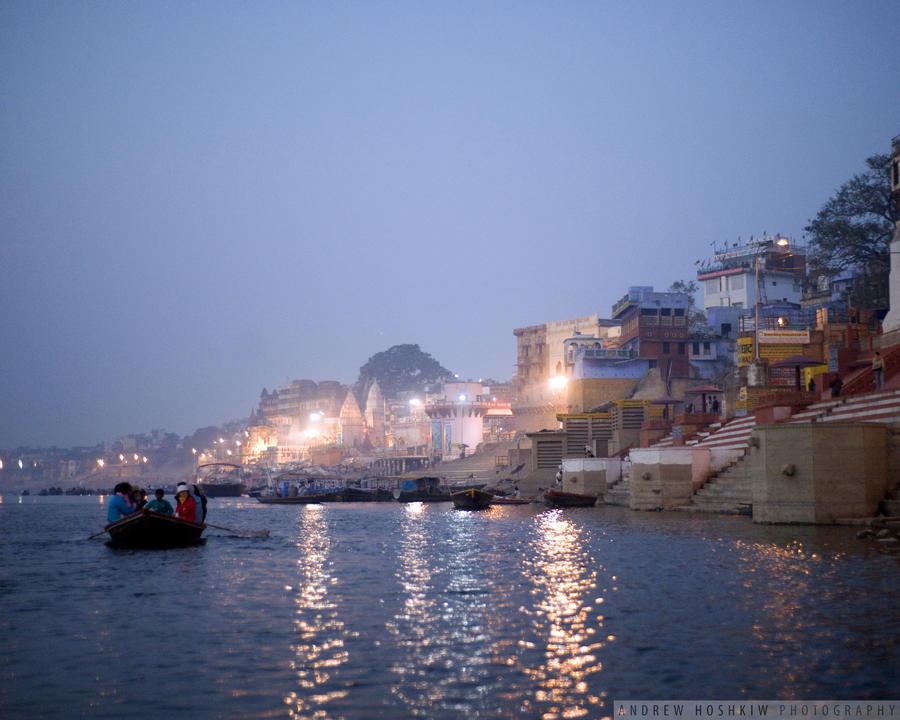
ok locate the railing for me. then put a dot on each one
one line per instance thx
(793, 398)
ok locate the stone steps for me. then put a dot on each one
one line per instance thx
(729, 491)
(619, 494)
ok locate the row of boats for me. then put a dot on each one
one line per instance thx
(298, 487)
(420, 489)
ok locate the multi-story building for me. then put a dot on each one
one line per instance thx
(655, 328)
(763, 271)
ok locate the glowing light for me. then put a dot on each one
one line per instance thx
(415, 402)
(1, 464)
(316, 416)
(121, 457)
(781, 322)
(782, 242)
(144, 459)
(100, 462)
(462, 397)
(194, 451)
(557, 382)
(21, 464)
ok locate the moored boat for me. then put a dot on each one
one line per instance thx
(471, 499)
(294, 499)
(558, 499)
(220, 479)
(510, 500)
(421, 489)
(146, 529)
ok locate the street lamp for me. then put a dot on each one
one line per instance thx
(781, 242)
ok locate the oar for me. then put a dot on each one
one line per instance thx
(97, 534)
(240, 533)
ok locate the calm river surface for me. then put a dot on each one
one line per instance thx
(420, 611)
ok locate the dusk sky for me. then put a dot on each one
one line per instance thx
(202, 199)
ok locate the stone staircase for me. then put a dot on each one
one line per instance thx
(728, 491)
(733, 435)
(619, 494)
(882, 406)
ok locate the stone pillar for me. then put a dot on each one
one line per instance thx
(892, 320)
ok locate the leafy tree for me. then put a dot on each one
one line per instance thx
(398, 369)
(696, 318)
(852, 232)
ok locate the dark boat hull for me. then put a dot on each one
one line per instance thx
(145, 529)
(221, 489)
(471, 499)
(352, 494)
(557, 499)
(294, 500)
(408, 496)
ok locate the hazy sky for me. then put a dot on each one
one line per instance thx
(202, 199)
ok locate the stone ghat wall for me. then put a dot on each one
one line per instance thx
(819, 473)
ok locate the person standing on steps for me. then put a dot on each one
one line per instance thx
(878, 369)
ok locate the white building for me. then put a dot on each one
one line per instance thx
(765, 270)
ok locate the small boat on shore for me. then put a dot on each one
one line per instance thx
(421, 489)
(558, 499)
(510, 500)
(471, 499)
(146, 529)
(220, 479)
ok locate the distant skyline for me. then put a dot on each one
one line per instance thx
(204, 199)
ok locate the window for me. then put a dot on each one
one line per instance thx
(679, 312)
(706, 348)
(665, 348)
(737, 282)
(695, 348)
(648, 311)
(681, 348)
(665, 311)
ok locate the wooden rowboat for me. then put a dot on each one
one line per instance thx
(557, 499)
(146, 529)
(471, 499)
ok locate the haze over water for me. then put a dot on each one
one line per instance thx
(395, 611)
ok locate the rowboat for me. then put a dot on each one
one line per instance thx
(146, 529)
(558, 499)
(422, 489)
(509, 500)
(471, 499)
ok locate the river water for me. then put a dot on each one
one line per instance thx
(421, 611)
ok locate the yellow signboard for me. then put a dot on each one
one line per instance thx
(744, 351)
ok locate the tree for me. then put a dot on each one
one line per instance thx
(398, 369)
(696, 318)
(852, 232)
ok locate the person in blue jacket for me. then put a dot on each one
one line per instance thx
(200, 498)
(120, 503)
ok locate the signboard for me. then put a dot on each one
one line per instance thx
(773, 353)
(744, 351)
(783, 337)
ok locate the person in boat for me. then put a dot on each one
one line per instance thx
(200, 499)
(187, 506)
(138, 497)
(120, 505)
(160, 504)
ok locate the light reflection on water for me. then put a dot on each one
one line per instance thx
(564, 617)
(388, 610)
(318, 630)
